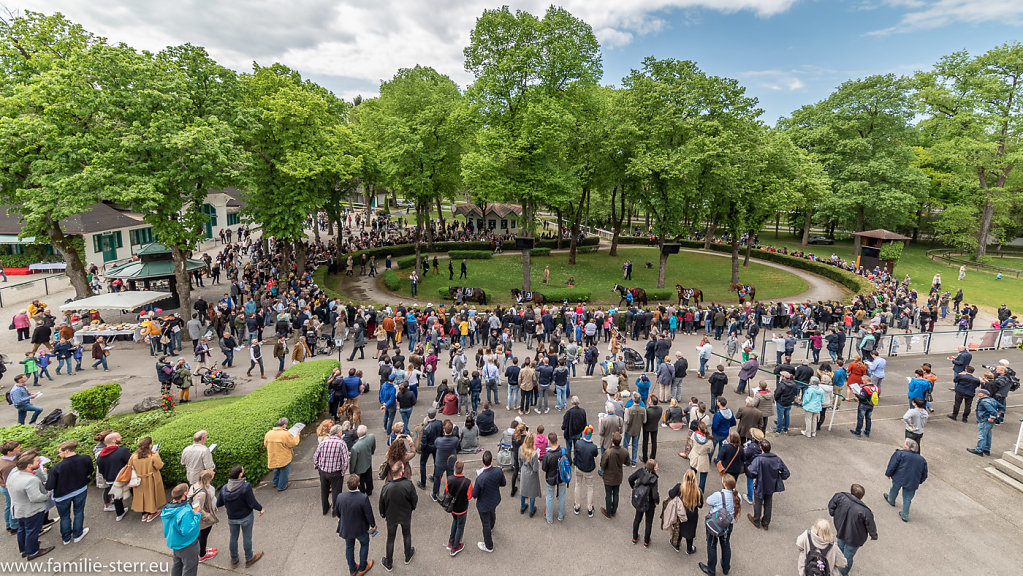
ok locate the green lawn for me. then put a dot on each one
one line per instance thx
(598, 273)
(978, 287)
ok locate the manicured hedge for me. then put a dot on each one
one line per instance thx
(470, 254)
(300, 394)
(391, 280)
(130, 426)
(96, 402)
(570, 294)
(586, 249)
(540, 252)
(407, 262)
(854, 282)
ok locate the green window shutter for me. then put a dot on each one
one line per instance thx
(117, 235)
(97, 243)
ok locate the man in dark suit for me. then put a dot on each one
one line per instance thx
(355, 522)
(487, 493)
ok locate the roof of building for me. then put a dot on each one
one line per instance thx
(234, 195)
(497, 208)
(881, 234)
(100, 217)
(139, 270)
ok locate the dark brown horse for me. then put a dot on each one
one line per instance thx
(460, 294)
(638, 294)
(684, 294)
(744, 291)
(522, 297)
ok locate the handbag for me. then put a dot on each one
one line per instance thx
(721, 469)
(11, 327)
(447, 502)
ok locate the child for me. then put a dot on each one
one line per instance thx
(43, 361)
(541, 442)
(77, 354)
(31, 367)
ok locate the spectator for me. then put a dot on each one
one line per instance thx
(398, 499)
(28, 503)
(355, 522)
(820, 538)
(854, 521)
(181, 530)
(68, 481)
(768, 473)
(237, 498)
(149, 496)
(204, 498)
(21, 398)
(197, 457)
(280, 445)
(907, 470)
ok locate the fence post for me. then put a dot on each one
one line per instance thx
(46, 285)
(998, 344)
(927, 346)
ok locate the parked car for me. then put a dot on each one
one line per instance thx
(815, 239)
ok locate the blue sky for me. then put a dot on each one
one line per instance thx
(786, 52)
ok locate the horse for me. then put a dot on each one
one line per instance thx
(521, 297)
(460, 294)
(638, 294)
(684, 294)
(744, 291)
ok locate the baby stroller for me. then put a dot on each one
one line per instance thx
(328, 345)
(633, 360)
(215, 380)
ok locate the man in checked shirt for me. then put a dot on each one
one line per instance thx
(331, 460)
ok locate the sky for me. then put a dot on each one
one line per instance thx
(788, 53)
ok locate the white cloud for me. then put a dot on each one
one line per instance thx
(780, 80)
(930, 14)
(363, 41)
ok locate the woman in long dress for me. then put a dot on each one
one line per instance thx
(149, 496)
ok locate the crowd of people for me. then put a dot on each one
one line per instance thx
(533, 352)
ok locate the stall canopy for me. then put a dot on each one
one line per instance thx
(116, 301)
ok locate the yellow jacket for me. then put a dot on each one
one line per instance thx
(279, 444)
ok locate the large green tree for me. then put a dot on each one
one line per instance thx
(58, 85)
(863, 136)
(416, 130)
(173, 140)
(298, 142)
(528, 73)
(974, 120)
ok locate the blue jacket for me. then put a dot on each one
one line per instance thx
(487, 490)
(353, 386)
(769, 472)
(989, 408)
(585, 455)
(387, 394)
(961, 361)
(917, 388)
(907, 469)
(813, 399)
(180, 524)
(354, 514)
(966, 384)
(722, 423)
(643, 387)
(237, 498)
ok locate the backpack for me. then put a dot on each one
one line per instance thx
(52, 418)
(564, 468)
(816, 559)
(1013, 383)
(871, 391)
(719, 521)
(641, 496)
(7, 396)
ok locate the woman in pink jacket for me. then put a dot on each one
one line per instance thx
(21, 324)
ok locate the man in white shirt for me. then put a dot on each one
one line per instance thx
(197, 457)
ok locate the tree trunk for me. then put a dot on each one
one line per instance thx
(735, 259)
(184, 284)
(316, 226)
(573, 243)
(662, 263)
(330, 226)
(588, 194)
(75, 266)
(646, 223)
(711, 230)
(777, 223)
(986, 215)
(528, 217)
(300, 257)
(749, 248)
(560, 224)
(420, 224)
(285, 268)
(630, 220)
(616, 220)
(859, 228)
(806, 226)
(440, 213)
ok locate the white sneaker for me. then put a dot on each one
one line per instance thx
(84, 532)
(121, 517)
(482, 546)
(109, 508)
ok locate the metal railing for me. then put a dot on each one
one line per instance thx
(22, 285)
(907, 344)
(1019, 439)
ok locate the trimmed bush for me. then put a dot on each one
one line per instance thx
(407, 262)
(470, 254)
(96, 402)
(586, 249)
(391, 280)
(443, 292)
(540, 252)
(20, 433)
(300, 395)
(661, 294)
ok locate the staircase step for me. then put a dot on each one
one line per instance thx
(1009, 469)
(1013, 459)
(1012, 482)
